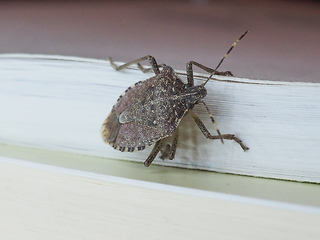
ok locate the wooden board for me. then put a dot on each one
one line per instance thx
(45, 202)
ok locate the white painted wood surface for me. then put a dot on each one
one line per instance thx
(59, 103)
(44, 202)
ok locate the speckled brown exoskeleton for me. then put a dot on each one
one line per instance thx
(150, 111)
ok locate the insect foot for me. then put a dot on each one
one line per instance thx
(150, 111)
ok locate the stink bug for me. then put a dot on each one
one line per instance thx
(151, 110)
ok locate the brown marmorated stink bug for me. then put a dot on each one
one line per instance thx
(150, 111)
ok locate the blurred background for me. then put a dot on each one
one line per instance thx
(282, 43)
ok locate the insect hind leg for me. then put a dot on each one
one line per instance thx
(157, 147)
(170, 151)
(151, 59)
(165, 151)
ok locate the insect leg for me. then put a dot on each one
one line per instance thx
(152, 61)
(157, 147)
(234, 138)
(147, 70)
(165, 151)
(208, 135)
(207, 69)
(210, 70)
(174, 144)
(170, 151)
(212, 119)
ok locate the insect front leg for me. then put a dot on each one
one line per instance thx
(208, 135)
(151, 59)
(189, 70)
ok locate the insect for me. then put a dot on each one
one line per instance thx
(150, 111)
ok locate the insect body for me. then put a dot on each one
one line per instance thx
(151, 110)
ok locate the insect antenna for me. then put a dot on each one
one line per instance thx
(222, 59)
(212, 120)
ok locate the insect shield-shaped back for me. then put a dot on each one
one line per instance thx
(149, 110)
